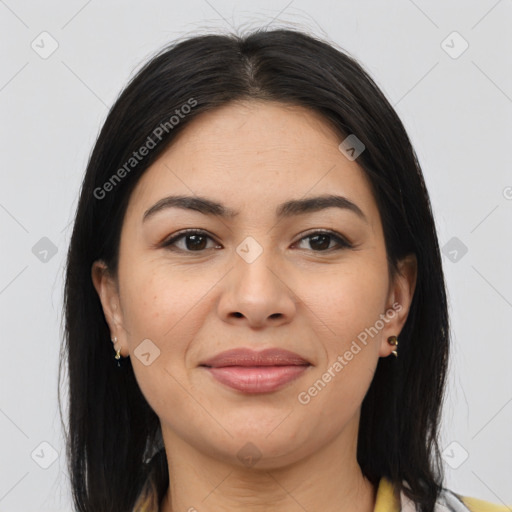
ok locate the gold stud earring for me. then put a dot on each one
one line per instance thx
(118, 352)
(392, 340)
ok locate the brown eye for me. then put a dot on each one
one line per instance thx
(320, 241)
(194, 241)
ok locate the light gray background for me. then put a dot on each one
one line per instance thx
(457, 111)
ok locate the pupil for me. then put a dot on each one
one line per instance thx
(195, 244)
(322, 245)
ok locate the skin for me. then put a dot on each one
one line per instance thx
(252, 156)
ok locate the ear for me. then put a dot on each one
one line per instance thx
(108, 292)
(401, 292)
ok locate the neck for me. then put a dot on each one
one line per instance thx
(329, 480)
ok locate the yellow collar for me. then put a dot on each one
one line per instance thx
(387, 499)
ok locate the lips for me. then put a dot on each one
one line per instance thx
(247, 357)
(256, 372)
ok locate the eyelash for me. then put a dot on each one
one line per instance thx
(342, 242)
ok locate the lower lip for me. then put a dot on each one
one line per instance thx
(257, 379)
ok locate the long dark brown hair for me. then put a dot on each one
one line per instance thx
(112, 429)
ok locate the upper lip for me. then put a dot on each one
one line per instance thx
(248, 357)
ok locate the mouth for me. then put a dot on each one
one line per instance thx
(256, 372)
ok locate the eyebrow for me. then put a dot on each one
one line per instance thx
(289, 208)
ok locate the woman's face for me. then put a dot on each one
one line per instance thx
(256, 280)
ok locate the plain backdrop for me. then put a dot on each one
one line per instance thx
(444, 66)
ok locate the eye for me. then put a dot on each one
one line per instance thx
(194, 241)
(321, 240)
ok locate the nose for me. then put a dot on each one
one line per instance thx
(256, 294)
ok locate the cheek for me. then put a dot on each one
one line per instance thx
(161, 306)
(347, 300)
(349, 303)
(155, 298)
(350, 310)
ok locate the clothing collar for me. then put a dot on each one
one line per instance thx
(388, 499)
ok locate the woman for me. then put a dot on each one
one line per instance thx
(254, 244)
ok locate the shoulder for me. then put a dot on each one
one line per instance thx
(454, 502)
(390, 499)
(476, 505)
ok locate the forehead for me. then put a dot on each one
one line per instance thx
(253, 154)
(262, 130)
